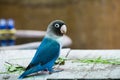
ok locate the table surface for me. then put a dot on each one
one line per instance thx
(72, 70)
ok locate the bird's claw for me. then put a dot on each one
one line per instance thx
(54, 71)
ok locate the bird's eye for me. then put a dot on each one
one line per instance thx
(57, 25)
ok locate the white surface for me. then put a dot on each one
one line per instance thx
(105, 54)
(71, 70)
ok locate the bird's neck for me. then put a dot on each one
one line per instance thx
(54, 37)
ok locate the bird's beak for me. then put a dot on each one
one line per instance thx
(63, 29)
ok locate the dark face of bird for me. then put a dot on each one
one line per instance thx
(57, 27)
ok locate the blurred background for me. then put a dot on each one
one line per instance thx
(92, 24)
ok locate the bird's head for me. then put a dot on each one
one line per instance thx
(56, 28)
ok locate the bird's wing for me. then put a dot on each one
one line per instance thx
(48, 50)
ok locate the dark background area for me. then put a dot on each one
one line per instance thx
(92, 24)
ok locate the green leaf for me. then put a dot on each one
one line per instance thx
(13, 68)
(99, 60)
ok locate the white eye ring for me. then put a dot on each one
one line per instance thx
(57, 25)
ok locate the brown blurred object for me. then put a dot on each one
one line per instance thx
(92, 24)
(27, 34)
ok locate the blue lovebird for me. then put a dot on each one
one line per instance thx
(48, 51)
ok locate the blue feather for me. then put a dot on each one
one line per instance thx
(45, 56)
(31, 70)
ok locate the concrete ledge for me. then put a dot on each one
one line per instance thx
(72, 70)
(88, 54)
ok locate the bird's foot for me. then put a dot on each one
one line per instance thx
(54, 71)
(45, 70)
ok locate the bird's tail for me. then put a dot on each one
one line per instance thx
(23, 75)
(30, 71)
